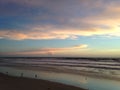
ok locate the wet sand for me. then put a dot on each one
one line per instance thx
(70, 71)
(20, 83)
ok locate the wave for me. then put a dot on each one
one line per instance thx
(97, 65)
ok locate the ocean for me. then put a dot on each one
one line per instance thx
(89, 73)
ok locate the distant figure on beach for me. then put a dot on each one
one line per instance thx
(7, 73)
(21, 74)
(35, 76)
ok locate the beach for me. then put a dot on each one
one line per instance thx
(58, 73)
(21, 83)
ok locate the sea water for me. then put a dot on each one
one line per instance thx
(56, 69)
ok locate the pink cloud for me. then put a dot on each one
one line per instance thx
(58, 33)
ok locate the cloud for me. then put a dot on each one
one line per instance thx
(48, 51)
(64, 19)
(52, 32)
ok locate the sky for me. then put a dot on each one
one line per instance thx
(60, 28)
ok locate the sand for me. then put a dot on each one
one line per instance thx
(20, 83)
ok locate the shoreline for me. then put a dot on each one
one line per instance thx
(21, 83)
